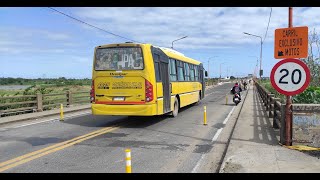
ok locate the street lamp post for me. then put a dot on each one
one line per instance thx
(220, 70)
(177, 40)
(209, 65)
(255, 70)
(228, 71)
(260, 73)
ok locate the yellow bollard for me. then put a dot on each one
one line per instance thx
(226, 99)
(128, 161)
(205, 116)
(61, 112)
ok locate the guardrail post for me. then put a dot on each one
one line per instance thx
(271, 102)
(275, 125)
(265, 102)
(283, 124)
(69, 98)
(39, 102)
(268, 101)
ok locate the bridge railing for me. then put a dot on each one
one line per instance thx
(305, 114)
(14, 105)
(274, 108)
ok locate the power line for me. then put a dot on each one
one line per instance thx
(268, 25)
(92, 25)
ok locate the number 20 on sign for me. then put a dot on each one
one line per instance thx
(290, 76)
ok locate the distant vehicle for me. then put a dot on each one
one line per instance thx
(245, 84)
(136, 79)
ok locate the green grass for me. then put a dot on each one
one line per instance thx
(309, 96)
(44, 89)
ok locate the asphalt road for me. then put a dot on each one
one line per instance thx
(158, 144)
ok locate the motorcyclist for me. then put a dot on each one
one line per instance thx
(245, 84)
(236, 89)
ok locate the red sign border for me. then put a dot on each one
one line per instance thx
(290, 93)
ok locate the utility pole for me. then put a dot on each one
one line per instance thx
(220, 70)
(208, 70)
(289, 102)
(260, 72)
(209, 65)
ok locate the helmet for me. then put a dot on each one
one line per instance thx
(236, 83)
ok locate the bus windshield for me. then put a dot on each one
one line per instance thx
(119, 58)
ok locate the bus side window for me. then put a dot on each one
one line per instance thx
(191, 72)
(186, 72)
(173, 71)
(196, 72)
(180, 71)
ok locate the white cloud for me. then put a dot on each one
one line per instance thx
(56, 36)
(16, 33)
(17, 41)
(80, 59)
(19, 50)
(205, 26)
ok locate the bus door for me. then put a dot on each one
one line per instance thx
(161, 64)
(201, 78)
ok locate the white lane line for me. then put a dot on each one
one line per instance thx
(68, 117)
(194, 170)
(226, 120)
(215, 137)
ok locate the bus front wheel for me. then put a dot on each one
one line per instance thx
(175, 108)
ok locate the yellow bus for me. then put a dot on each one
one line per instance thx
(135, 79)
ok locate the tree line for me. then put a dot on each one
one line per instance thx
(61, 81)
(313, 59)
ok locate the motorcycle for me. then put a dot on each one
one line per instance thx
(236, 98)
(245, 86)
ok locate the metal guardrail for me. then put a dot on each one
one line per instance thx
(274, 108)
(14, 105)
(210, 83)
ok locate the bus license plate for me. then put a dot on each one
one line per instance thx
(118, 98)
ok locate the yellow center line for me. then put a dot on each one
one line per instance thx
(39, 153)
(50, 147)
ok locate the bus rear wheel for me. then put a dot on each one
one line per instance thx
(175, 108)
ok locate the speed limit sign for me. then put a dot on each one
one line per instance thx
(290, 76)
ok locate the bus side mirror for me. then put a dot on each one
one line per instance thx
(206, 73)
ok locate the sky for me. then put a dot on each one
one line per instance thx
(37, 42)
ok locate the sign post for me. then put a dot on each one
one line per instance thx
(289, 101)
(290, 77)
(290, 42)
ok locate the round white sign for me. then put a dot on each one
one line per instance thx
(290, 76)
